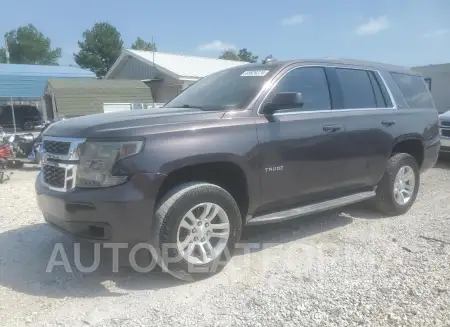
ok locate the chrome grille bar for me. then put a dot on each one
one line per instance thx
(60, 149)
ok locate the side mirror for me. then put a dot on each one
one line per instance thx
(284, 100)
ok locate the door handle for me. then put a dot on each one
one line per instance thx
(388, 122)
(332, 128)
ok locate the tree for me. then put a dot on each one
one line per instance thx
(229, 55)
(245, 55)
(3, 56)
(27, 45)
(100, 48)
(242, 55)
(140, 44)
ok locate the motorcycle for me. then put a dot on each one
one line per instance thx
(6, 154)
(34, 155)
(22, 146)
(25, 148)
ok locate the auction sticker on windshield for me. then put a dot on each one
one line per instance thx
(255, 73)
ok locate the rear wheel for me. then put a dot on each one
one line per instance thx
(28, 125)
(398, 189)
(197, 226)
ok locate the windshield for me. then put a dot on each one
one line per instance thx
(228, 89)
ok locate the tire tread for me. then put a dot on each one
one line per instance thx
(384, 201)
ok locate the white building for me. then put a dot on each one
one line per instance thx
(438, 79)
(167, 74)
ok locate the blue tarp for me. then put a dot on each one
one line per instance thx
(29, 81)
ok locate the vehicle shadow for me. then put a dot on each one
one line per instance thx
(443, 162)
(265, 236)
(262, 237)
(25, 254)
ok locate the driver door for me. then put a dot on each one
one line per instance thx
(301, 146)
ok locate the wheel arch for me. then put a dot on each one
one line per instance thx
(225, 170)
(412, 144)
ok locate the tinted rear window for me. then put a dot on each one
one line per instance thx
(414, 90)
(356, 88)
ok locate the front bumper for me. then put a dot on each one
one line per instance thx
(120, 214)
(445, 144)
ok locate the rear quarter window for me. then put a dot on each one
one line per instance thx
(414, 90)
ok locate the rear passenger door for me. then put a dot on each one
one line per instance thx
(369, 119)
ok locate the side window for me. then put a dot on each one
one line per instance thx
(311, 82)
(356, 88)
(414, 90)
(428, 81)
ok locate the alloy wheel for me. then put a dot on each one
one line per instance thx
(203, 233)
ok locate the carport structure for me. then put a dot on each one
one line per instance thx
(25, 84)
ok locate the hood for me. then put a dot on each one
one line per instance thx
(127, 123)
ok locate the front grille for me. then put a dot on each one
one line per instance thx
(445, 123)
(54, 176)
(60, 162)
(56, 147)
(445, 132)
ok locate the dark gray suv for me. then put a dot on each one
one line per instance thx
(26, 117)
(248, 145)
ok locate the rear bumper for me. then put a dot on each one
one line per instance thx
(431, 154)
(121, 214)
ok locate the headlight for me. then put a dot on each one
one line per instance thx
(97, 160)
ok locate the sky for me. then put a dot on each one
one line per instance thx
(403, 32)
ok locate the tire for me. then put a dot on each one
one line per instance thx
(170, 213)
(28, 125)
(385, 200)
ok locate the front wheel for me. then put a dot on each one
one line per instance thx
(398, 189)
(196, 229)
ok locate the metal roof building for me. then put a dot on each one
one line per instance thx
(178, 66)
(438, 79)
(27, 82)
(166, 73)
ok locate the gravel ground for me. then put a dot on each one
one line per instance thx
(354, 268)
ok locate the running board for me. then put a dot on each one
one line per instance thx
(310, 209)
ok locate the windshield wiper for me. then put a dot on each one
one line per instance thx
(186, 106)
(205, 108)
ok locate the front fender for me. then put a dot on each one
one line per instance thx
(165, 153)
